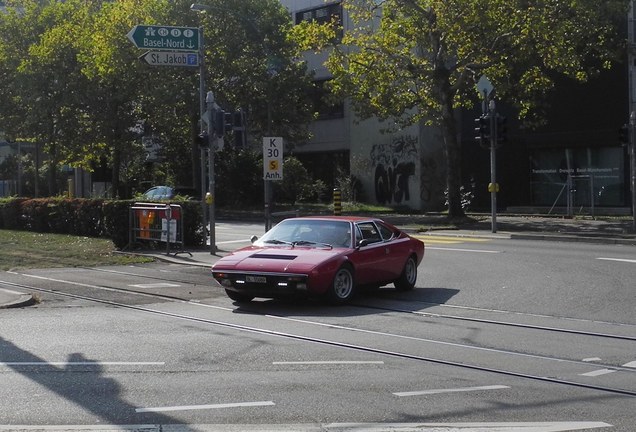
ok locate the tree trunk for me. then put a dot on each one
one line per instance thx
(452, 151)
(115, 178)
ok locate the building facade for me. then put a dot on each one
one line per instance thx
(575, 162)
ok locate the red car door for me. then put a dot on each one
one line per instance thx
(372, 260)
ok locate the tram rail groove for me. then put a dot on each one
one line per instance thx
(623, 392)
(433, 314)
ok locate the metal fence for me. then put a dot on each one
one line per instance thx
(152, 222)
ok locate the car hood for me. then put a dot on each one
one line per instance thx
(276, 259)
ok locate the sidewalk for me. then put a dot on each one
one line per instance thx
(586, 230)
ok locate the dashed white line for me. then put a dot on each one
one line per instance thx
(204, 407)
(453, 390)
(633, 261)
(84, 363)
(631, 364)
(597, 373)
(326, 362)
(462, 250)
(156, 285)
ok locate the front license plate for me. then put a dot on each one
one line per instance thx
(256, 279)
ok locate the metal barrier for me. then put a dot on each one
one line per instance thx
(158, 223)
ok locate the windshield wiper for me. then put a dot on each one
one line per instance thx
(307, 243)
(275, 241)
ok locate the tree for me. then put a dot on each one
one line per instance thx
(419, 60)
(72, 80)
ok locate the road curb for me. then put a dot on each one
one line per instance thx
(21, 300)
(574, 239)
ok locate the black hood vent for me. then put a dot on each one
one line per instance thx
(274, 256)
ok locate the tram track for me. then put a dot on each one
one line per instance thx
(433, 314)
(322, 341)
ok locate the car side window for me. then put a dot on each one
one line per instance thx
(369, 232)
(385, 231)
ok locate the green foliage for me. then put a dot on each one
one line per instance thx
(419, 60)
(297, 184)
(239, 177)
(88, 218)
(72, 81)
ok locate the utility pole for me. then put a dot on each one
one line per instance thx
(212, 107)
(492, 187)
(632, 159)
(631, 142)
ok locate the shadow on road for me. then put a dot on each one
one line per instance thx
(81, 381)
(367, 302)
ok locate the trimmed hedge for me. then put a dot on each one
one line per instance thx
(89, 218)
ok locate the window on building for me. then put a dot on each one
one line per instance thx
(325, 103)
(594, 176)
(323, 14)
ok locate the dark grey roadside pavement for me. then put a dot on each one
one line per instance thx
(616, 231)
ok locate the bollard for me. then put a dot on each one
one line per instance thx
(337, 202)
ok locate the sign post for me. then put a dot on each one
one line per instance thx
(272, 158)
(485, 87)
(170, 58)
(165, 37)
(272, 170)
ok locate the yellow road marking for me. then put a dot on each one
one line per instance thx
(438, 239)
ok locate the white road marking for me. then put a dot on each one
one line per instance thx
(456, 427)
(204, 407)
(592, 359)
(321, 427)
(234, 241)
(454, 390)
(597, 372)
(462, 250)
(156, 285)
(633, 261)
(631, 364)
(85, 363)
(8, 291)
(330, 362)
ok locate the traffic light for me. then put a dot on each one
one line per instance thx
(240, 137)
(502, 129)
(203, 140)
(482, 129)
(623, 134)
(223, 122)
(219, 123)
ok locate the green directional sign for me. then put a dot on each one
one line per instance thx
(165, 37)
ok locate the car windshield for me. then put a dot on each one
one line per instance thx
(309, 232)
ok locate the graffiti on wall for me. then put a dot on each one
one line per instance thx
(394, 164)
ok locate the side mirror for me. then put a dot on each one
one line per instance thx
(253, 238)
(362, 243)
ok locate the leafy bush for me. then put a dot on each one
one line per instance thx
(89, 218)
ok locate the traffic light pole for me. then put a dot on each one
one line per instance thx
(202, 129)
(493, 165)
(632, 158)
(212, 134)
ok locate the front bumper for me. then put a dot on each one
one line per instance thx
(262, 284)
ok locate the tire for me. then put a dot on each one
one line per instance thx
(343, 287)
(239, 297)
(407, 279)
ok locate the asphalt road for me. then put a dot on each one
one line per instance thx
(499, 335)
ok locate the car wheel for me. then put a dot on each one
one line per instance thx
(343, 286)
(239, 297)
(407, 279)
